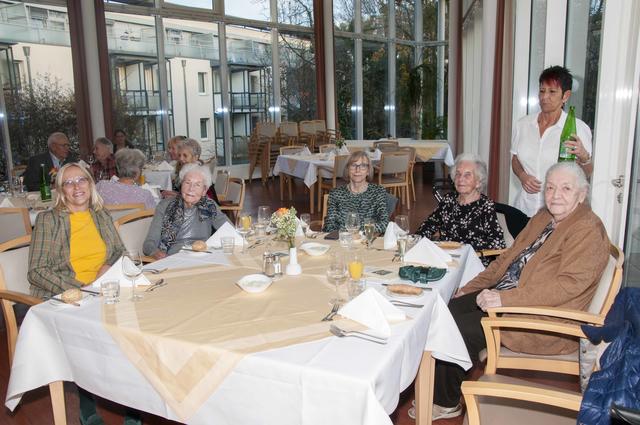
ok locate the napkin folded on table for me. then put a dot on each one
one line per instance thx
(116, 273)
(164, 166)
(374, 311)
(305, 151)
(427, 253)
(391, 236)
(343, 150)
(376, 155)
(6, 204)
(225, 230)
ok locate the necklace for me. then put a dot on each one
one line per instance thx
(361, 190)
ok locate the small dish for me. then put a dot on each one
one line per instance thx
(314, 248)
(254, 283)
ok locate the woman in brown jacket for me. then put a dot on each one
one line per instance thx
(557, 260)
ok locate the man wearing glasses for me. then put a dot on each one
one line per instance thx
(57, 155)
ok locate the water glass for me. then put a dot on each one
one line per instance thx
(132, 268)
(110, 291)
(346, 238)
(337, 274)
(369, 231)
(355, 288)
(243, 226)
(352, 222)
(305, 220)
(228, 242)
(264, 214)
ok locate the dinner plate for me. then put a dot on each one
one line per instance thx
(314, 248)
(254, 283)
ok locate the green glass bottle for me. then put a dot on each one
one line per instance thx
(568, 129)
(45, 189)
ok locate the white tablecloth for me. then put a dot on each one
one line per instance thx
(444, 154)
(158, 178)
(329, 381)
(305, 166)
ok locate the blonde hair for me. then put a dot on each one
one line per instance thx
(95, 201)
(353, 158)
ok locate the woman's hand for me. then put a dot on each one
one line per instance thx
(488, 298)
(530, 184)
(102, 270)
(159, 254)
(458, 293)
(576, 147)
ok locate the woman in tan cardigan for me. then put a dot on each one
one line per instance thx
(557, 260)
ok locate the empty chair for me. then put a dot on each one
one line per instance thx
(234, 201)
(386, 145)
(222, 180)
(120, 210)
(328, 147)
(285, 178)
(330, 178)
(14, 222)
(288, 133)
(393, 173)
(133, 228)
(263, 136)
(307, 134)
(323, 134)
(412, 162)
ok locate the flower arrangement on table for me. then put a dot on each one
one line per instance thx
(340, 142)
(286, 223)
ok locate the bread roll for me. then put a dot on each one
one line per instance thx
(199, 246)
(71, 295)
(404, 289)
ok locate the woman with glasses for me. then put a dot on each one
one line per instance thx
(360, 196)
(186, 218)
(75, 242)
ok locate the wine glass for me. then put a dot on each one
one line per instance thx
(337, 274)
(264, 214)
(132, 268)
(305, 220)
(402, 231)
(243, 226)
(369, 231)
(352, 223)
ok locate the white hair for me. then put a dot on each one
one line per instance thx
(571, 168)
(204, 171)
(479, 169)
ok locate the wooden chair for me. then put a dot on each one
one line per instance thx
(307, 134)
(328, 147)
(120, 210)
(393, 173)
(262, 138)
(133, 229)
(412, 162)
(330, 178)
(325, 135)
(386, 145)
(288, 133)
(14, 222)
(285, 178)
(221, 183)
(512, 221)
(234, 201)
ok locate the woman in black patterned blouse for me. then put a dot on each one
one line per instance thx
(466, 215)
(367, 199)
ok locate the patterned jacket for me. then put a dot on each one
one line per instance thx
(50, 270)
(372, 203)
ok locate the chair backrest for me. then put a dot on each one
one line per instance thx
(609, 283)
(339, 162)
(222, 180)
(394, 163)
(308, 127)
(290, 150)
(266, 129)
(320, 126)
(18, 170)
(325, 207)
(328, 147)
(235, 192)
(515, 219)
(14, 259)
(410, 150)
(133, 229)
(386, 145)
(289, 128)
(120, 210)
(14, 222)
(391, 202)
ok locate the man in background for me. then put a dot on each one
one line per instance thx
(57, 155)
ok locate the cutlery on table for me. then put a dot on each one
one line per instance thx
(89, 291)
(400, 303)
(340, 333)
(208, 251)
(156, 285)
(58, 300)
(155, 271)
(255, 244)
(333, 312)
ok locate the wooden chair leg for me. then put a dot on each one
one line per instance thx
(290, 180)
(56, 390)
(282, 179)
(424, 389)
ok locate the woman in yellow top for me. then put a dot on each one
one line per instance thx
(76, 241)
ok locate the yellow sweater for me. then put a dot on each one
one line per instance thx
(88, 250)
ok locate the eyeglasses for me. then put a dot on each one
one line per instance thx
(195, 185)
(78, 181)
(362, 166)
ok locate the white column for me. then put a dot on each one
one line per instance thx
(329, 68)
(163, 80)
(453, 96)
(554, 33)
(224, 88)
(93, 69)
(489, 9)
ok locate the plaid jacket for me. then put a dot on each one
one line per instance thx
(104, 172)
(50, 270)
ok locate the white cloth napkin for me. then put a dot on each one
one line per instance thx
(299, 231)
(391, 236)
(305, 151)
(164, 166)
(84, 164)
(115, 273)
(155, 192)
(225, 230)
(375, 155)
(427, 253)
(6, 203)
(343, 150)
(374, 311)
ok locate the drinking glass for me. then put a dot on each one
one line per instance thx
(110, 291)
(345, 237)
(132, 268)
(243, 226)
(337, 274)
(264, 214)
(91, 160)
(227, 242)
(369, 231)
(305, 220)
(402, 221)
(356, 265)
(352, 223)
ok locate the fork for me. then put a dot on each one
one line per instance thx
(340, 333)
(333, 312)
(155, 285)
(156, 271)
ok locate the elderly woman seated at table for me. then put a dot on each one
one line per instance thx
(186, 218)
(75, 242)
(129, 163)
(367, 199)
(466, 215)
(556, 261)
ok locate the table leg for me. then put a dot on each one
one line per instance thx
(311, 198)
(56, 390)
(424, 389)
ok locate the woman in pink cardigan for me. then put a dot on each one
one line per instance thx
(557, 260)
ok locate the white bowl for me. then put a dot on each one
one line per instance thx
(254, 283)
(314, 249)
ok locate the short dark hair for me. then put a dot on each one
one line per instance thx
(559, 75)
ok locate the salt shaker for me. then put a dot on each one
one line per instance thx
(268, 264)
(277, 266)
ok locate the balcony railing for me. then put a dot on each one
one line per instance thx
(246, 102)
(144, 102)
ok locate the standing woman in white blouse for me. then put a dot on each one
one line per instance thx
(536, 139)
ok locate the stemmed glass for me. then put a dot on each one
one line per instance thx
(264, 218)
(352, 223)
(337, 274)
(132, 268)
(402, 232)
(305, 220)
(243, 226)
(369, 231)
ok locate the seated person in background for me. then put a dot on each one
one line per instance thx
(188, 153)
(129, 163)
(367, 199)
(120, 140)
(556, 261)
(188, 217)
(104, 166)
(75, 242)
(173, 146)
(57, 155)
(466, 215)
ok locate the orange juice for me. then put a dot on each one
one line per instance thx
(245, 221)
(355, 269)
(141, 179)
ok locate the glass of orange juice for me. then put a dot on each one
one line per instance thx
(356, 268)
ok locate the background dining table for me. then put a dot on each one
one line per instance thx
(269, 359)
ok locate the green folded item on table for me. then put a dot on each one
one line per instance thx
(421, 274)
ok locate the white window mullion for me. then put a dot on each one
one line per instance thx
(359, 102)
(224, 89)
(555, 33)
(391, 71)
(274, 110)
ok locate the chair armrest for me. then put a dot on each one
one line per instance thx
(490, 252)
(146, 259)
(490, 324)
(19, 297)
(559, 313)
